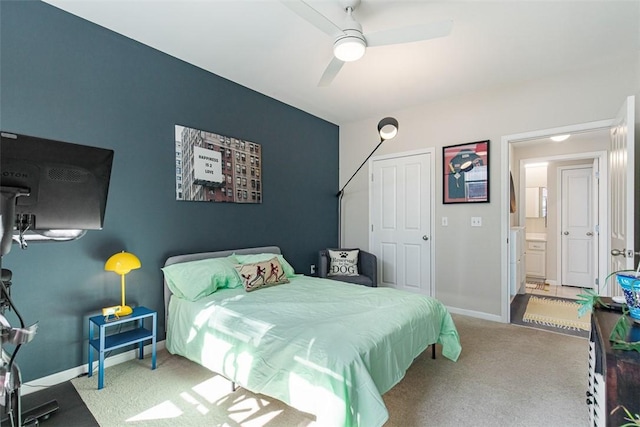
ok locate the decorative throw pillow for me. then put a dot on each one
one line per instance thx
(343, 262)
(261, 274)
(250, 258)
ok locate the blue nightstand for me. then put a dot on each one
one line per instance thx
(137, 335)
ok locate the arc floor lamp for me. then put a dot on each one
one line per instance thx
(387, 129)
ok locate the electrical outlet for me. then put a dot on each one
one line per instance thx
(476, 221)
(313, 268)
(445, 221)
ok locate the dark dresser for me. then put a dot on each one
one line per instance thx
(614, 375)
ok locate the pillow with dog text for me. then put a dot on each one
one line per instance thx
(343, 262)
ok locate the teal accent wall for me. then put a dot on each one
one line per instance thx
(67, 79)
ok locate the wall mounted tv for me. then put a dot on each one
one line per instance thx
(51, 190)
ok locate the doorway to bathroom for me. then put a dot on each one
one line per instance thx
(616, 179)
(562, 203)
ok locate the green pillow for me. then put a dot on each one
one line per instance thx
(252, 258)
(196, 279)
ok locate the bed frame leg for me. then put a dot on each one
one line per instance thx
(233, 386)
(433, 351)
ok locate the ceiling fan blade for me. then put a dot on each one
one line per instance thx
(330, 72)
(409, 34)
(312, 16)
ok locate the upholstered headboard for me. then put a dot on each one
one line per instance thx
(176, 259)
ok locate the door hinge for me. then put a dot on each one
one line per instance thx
(371, 177)
(597, 228)
(597, 281)
(371, 227)
(598, 175)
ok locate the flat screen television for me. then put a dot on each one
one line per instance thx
(51, 190)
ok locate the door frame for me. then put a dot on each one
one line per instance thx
(505, 161)
(432, 207)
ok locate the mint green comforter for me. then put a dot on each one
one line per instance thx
(324, 347)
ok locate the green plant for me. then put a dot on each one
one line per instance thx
(620, 331)
(634, 420)
(588, 300)
(590, 297)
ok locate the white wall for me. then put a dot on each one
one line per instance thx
(468, 260)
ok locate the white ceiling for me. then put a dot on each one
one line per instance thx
(264, 46)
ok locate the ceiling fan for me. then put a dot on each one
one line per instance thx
(349, 41)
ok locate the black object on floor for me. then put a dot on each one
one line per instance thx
(72, 412)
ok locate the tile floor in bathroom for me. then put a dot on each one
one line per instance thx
(570, 292)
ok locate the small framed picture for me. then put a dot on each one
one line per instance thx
(466, 173)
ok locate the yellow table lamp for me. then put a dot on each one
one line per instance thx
(122, 263)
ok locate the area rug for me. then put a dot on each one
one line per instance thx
(550, 314)
(539, 286)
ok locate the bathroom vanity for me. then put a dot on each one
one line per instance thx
(536, 248)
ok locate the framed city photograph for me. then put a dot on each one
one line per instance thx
(211, 167)
(466, 173)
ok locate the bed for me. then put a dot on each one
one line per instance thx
(328, 348)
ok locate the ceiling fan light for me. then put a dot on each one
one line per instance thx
(560, 138)
(349, 48)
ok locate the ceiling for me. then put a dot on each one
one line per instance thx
(265, 46)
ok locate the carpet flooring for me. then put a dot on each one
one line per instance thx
(506, 375)
(519, 307)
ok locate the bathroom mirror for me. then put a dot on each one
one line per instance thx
(536, 198)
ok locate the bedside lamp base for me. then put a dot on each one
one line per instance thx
(123, 310)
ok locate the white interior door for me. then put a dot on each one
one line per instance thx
(621, 161)
(401, 221)
(577, 227)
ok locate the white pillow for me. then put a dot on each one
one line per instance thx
(343, 262)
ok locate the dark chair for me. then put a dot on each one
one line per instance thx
(367, 268)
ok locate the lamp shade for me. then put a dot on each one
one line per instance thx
(122, 263)
(388, 128)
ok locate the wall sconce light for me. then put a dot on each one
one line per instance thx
(122, 263)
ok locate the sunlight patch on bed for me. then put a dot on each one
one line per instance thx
(308, 396)
(215, 353)
(239, 326)
(164, 410)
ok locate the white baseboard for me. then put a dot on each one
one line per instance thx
(476, 314)
(69, 374)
